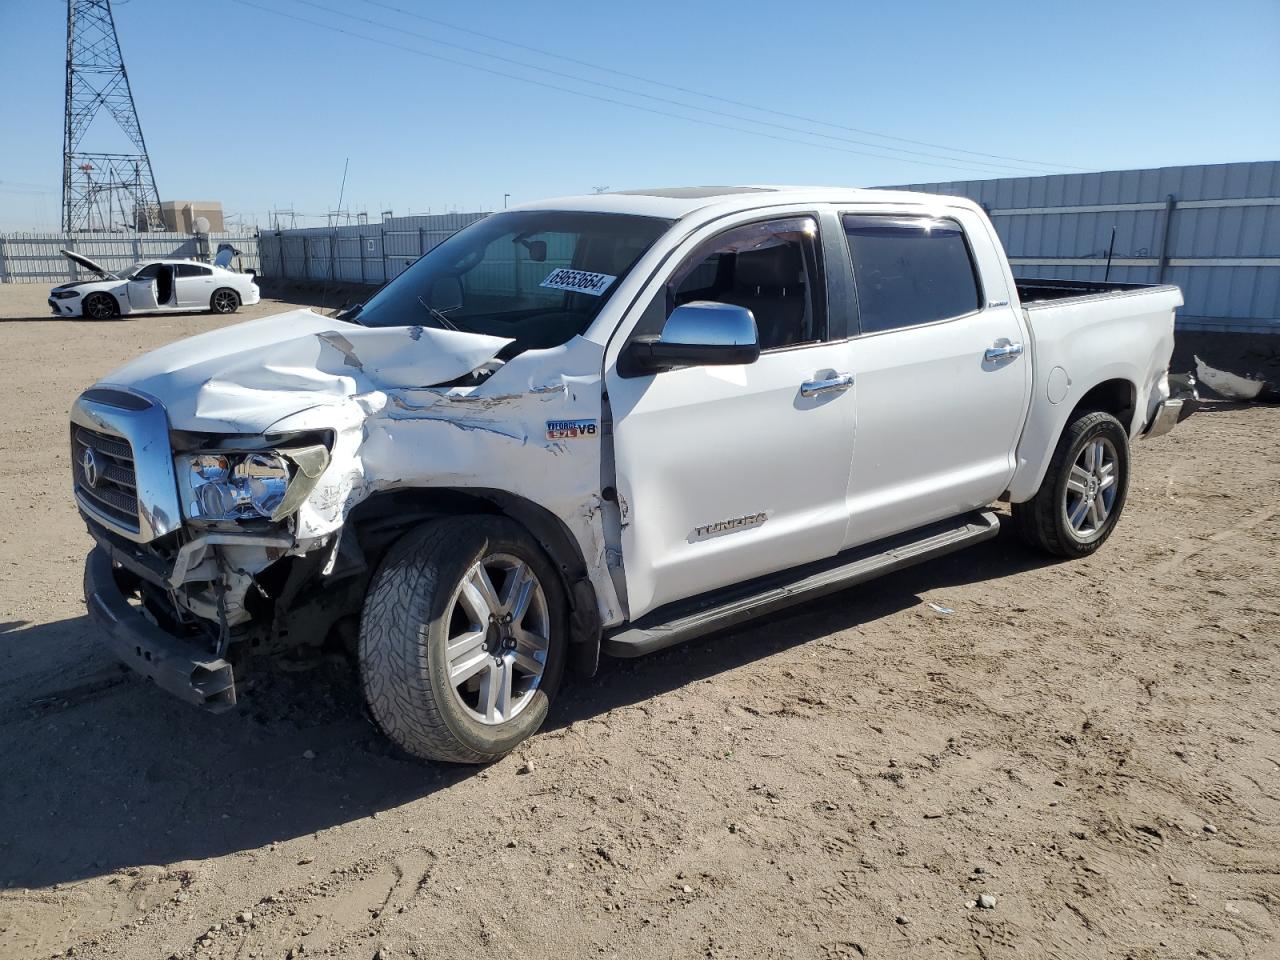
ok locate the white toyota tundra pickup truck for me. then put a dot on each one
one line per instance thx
(605, 423)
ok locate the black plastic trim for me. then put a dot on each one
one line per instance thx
(175, 665)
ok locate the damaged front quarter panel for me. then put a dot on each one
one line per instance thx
(390, 433)
(405, 407)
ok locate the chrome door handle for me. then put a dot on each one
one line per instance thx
(816, 388)
(1003, 350)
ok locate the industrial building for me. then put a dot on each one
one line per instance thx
(184, 216)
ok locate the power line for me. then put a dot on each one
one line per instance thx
(597, 97)
(708, 96)
(382, 24)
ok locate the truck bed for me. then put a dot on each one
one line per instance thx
(1083, 334)
(1034, 290)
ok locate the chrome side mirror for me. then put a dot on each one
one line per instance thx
(698, 334)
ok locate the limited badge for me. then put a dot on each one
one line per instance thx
(570, 429)
(578, 281)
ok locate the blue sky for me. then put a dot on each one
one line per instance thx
(259, 110)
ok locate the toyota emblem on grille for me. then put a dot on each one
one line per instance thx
(89, 467)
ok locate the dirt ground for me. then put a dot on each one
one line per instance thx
(1094, 744)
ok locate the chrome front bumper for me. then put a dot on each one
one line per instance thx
(1183, 400)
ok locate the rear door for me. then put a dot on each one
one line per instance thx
(943, 375)
(732, 472)
(193, 285)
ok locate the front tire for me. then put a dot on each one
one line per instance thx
(224, 300)
(1083, 492)
(100, 306)
(463, 639)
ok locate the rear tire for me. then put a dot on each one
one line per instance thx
(224, 300)
(460, 665)
(1083, 492)
(100, 306)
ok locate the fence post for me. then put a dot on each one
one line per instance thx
(4, 266)
(306, 258)
(73, 270)
(137, 248)
(363, 241)
(333, 254)
(382, 251)
(1170, 205)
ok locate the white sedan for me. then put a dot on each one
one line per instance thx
(153, 286)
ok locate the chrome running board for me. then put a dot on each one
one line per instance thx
(687, 619)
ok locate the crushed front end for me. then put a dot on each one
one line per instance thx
(197, 561)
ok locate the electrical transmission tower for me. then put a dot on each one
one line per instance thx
(99, 189)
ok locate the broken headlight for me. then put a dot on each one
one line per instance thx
(259, 485)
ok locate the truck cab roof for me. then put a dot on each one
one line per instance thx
(675, 203)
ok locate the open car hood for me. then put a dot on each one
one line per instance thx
(88, 264)
(243, 379)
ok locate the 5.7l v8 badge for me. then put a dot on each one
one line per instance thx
(570, 429)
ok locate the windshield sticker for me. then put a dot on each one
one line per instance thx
(578, 281)
(570, 429)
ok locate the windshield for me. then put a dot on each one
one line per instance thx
(538, 277)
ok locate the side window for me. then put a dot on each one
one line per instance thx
(149, 272)
(770, 268)
(910, 270)
(193, 270)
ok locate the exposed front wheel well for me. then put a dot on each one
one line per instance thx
(381, 519)
(1117, 397)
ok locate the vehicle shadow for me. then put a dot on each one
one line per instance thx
(105, 772)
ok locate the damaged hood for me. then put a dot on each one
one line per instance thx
(244, 378)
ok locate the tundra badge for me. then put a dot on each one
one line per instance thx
(728, 526)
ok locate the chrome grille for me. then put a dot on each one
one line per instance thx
(112, 488)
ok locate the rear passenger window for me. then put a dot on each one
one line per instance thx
(193, 270)
(910, 270)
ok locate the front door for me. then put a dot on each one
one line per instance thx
(143, 294)
(942, 377)
(142, 288)
(729, 473)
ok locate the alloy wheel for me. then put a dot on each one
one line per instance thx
(99, 308)
(499, 635)
(1090, 493)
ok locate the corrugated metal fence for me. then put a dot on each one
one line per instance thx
(1213, 230)
(357, 253)
(36, 257)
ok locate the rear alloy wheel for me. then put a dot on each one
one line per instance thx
(100, 306)
(224, 300)
(1083, 490)
(1090, 491)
